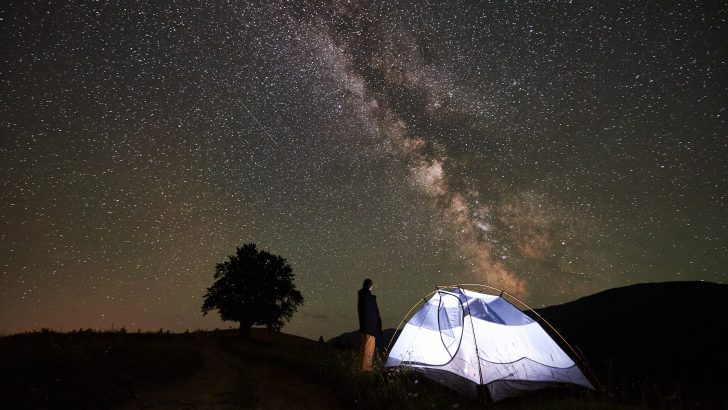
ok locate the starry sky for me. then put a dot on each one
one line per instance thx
(553, 149)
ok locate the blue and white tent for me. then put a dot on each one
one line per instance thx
(466, 339)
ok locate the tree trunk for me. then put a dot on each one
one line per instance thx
(245, 330)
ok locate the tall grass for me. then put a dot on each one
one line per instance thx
(402, 389)
(663, 392)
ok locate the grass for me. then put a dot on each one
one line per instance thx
(401, 390)
(663, 391)
(85, 370)
(408, 390)
(354, 389)
(338, 370)
(89, 370)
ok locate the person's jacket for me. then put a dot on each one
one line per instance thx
(369, 320)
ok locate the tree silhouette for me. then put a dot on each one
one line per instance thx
(254, 288)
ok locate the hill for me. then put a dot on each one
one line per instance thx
(667, 333)
(201, 370)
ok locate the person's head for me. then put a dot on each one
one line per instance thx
(367, 284)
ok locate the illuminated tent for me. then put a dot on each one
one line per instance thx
(465, 340)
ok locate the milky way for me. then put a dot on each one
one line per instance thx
(550, 149)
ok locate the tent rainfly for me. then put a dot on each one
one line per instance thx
(465, 339)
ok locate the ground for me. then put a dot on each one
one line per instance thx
(224, 381)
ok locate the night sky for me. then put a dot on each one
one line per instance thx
(553, 149)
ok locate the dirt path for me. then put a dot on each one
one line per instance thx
(210, 388)
(216, 384)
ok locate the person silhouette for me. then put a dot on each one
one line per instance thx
(370, 323)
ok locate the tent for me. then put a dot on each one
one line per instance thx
(465, 340)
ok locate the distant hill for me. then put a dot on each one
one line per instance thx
(669, 332)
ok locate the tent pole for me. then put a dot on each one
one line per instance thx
(576, 354)
(481, 388)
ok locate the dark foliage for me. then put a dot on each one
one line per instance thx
(254, 288)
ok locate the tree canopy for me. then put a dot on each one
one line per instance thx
(254, 288)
